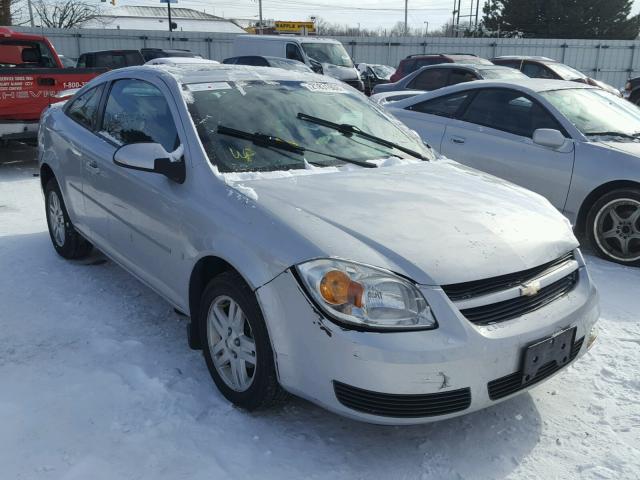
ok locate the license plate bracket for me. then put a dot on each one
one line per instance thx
(555, 348)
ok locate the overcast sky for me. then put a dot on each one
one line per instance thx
(370, 14)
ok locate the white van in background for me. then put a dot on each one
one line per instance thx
(322, 55)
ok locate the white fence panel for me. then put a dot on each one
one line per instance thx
(610, 60)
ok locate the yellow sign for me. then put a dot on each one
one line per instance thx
(295, 27)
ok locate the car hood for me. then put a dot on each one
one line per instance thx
(341, 73)
(435, 222)
(625, 146)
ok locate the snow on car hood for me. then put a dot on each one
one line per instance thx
(341, 73)
(437, 222)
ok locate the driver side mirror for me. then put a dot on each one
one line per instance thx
(316, 66)
(150, 157)
(548, 137)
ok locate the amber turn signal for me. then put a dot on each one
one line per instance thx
(337, 289)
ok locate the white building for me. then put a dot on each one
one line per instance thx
(155, 18)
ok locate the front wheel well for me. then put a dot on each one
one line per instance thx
(203, 272)
(595, 195)
(46, 174)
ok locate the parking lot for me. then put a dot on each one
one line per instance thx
(98, 382)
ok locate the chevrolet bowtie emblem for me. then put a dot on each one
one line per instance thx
(530, 289)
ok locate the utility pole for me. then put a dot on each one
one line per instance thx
(30, 13)
(169, 15)
(260, 14)
(406, 7)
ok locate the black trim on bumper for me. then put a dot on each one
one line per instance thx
(402, 406)
(509, 384)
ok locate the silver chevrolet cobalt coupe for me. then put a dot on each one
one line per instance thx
(317, 245)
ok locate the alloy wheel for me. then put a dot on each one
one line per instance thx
(56, 219)
(617, 229)
(231, 343)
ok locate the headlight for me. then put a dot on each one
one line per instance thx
(364, 296)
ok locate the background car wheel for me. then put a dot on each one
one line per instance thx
(613, 226)
(66, 240)
(236, 344)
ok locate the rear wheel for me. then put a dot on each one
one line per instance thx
(66, 240)
(237, 348)
(613, 225)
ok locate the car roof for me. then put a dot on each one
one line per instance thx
(204, 73)
(290, 38)
(525, 57)
(525, 85)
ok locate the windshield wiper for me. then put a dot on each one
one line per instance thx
(270, 141)
(613, 134)
(348, 130)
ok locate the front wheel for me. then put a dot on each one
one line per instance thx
(237, 348)
(613, 226)
(66, 240)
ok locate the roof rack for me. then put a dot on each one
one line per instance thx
(439, 54)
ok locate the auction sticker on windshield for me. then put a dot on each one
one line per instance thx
(200, 87)
(324, 87)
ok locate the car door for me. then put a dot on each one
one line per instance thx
(494, 134)
(431, 117)
(430, 79)
(143, 208)
(77, 140)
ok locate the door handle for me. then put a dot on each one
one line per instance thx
(92, 166)
(459, 140)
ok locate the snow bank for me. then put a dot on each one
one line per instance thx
(97, 382)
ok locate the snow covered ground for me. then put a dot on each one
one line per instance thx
(97, 382)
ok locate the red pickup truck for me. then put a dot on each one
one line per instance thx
(31, 78)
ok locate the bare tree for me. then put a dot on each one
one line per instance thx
(65, 13)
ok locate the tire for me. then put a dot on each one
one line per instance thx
(251, 387)
(66, 240)
(613, 226)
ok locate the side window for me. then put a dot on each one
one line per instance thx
(254, 61)
(535, 70)
(509, 63)
(447, 106)
(82, 61)
(293, 52)
(509, 111)
(460, 76)
(84, 109)
(137, 112)
(429, 80)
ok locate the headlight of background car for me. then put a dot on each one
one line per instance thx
(366, 296)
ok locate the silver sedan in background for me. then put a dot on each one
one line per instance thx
(577, 145)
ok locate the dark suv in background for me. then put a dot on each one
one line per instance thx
(413, 62)
(151, 53)
(544, 67)
(110, 59)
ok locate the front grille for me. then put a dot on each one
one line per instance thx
(504, 386)
(518, 306)
(402, 406)
(463, 291)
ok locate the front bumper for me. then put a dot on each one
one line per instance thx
(313, 355)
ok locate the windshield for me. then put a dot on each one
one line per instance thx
(382, 71)
(332, 53)
(272, 108)
(502, 73)
(289, 64)
(594, 111)
(565, 71)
